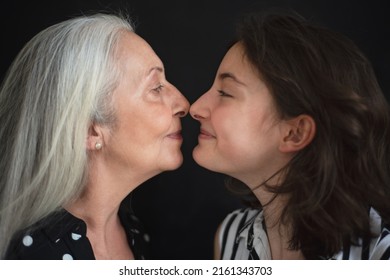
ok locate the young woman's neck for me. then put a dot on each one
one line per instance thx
(278, 233)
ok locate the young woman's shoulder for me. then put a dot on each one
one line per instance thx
(233, 226)
(239, 216)
(381, 245)
(375, 248)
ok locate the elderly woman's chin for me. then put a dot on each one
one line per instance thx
(170, 156)
(172, 161)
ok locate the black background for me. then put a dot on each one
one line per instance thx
(181, 209)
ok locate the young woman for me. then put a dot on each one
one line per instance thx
(86, 116)
(295, 115)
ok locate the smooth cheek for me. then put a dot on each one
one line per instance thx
(239, 138)
(234, 141)
(217, 153)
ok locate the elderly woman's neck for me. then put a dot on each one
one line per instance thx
(98, 207)
(105, 190)
(95, 210)
(104, 228)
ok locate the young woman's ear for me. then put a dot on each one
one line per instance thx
(297, 133)
(95, 138)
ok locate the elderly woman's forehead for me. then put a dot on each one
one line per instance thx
(136, 58)
(131, 43)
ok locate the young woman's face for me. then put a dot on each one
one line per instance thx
(239, 129)
(146, 137)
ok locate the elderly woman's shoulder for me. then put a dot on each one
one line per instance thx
(59, 236)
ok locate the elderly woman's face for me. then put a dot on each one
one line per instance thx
(146, 137)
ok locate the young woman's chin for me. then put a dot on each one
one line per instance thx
(207, 160)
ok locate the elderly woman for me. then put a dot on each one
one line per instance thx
(86, 116)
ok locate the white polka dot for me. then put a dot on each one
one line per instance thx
(76, 236)
(67, 257)
(27, 241)
(146, 238)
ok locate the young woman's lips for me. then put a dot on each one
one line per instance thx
(176, 135)
(204, 134)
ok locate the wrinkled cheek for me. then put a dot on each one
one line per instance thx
(169, 155)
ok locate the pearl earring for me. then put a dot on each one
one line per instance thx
(98, 146)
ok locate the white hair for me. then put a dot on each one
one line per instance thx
(58, 85)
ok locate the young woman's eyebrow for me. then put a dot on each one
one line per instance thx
(228, 75)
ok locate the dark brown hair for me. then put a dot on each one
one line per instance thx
(334, 181)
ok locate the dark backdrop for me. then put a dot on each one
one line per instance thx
(181, 209)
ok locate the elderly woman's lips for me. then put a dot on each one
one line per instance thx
(176, 135)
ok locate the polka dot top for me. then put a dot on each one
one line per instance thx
(62, 236)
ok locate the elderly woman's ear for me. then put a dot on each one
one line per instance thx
(95, 139)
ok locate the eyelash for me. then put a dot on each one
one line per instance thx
(223, 94)
(159, 88)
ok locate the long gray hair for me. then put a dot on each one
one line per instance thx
(58, 85)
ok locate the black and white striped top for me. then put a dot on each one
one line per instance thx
(242, 236)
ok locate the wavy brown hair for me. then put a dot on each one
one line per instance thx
(334, 181)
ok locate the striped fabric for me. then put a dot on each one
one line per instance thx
(242, 237)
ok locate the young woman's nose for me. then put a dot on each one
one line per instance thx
(200, 108)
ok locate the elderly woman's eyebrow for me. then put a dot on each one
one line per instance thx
(156, 68)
